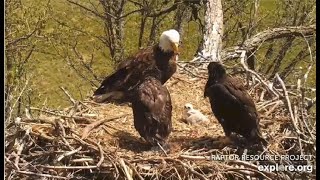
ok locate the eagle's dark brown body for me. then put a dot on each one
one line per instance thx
(118, 86)
(231, 104)
(152, 111)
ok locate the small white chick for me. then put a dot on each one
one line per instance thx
(194, 116)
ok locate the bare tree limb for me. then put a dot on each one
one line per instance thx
(268, 35)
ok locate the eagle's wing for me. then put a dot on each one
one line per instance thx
(154, 111)
(154, 97)
(237, 89)
(127, 75)
(235, 96)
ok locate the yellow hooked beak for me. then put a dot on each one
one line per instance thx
(175, 47)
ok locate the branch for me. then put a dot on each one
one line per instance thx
(242, 57)
(41, 175)
(267, 35)
(74, 102)
(88, 128)
(24, 37)
(277, 33)
(93, 12)
(288, 103)
(165, 11)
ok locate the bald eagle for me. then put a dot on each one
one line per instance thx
(152, 111)
(160, 60)
(232, 105)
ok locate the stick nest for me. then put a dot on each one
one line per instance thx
(98, 141)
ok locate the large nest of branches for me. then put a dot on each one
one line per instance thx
(98, 141)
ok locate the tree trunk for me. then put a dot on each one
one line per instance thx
(212, 39)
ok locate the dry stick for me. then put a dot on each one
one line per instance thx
(305, 77)
(185, 69)
(184, 156)
(61, 115)
(300, 146)
(69, 153)
(74, 102)
(294, 94)
(73, 167)
(93, 147)
(41, 175)
(162, 149)
(134, 169)
(17, 100)
(288, 104)
(115, 166)
(19, 150)
(234, 162)
(202, 177)
(63, 135)
(81, 160)
(93, 125)
(262, 95)
(9, 161)
(245, 171)
(273, 108)
(242, 58)
(175, 169)
(68, 167)
(125, 169)
(101, 155)
(252, 166)
(268, 103)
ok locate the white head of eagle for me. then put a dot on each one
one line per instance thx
(169, 41)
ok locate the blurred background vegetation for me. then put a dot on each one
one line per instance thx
(75, 44)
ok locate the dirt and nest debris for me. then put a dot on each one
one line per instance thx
(98, 141)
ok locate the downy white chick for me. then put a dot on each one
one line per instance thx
(194, 116)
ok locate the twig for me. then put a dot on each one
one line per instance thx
(42, 175)
(162, 148)
(273, 108)
(82, 160)
(252, 166)
(184, 156)
(101, 155)
(69, 153)
(202, 177)
(134, 169)
(74, 102)
(242, 58)
(195, 75)
(63, 135)
(93, 125)
(18, 154)
(9, 161)
(245, 171)
(125, 168)
(302, 109)
(17, 100)
(68, 167)
(79, 118)
(288, 103)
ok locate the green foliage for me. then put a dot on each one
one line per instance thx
(73, 37)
